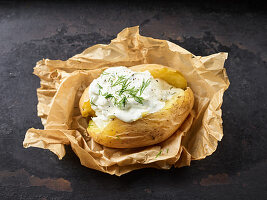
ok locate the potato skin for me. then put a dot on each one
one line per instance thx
(152, 128)
(149, 130)
(170, 75)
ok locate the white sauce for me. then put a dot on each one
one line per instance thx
(127, 95)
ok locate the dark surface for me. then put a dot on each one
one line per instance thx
(32, 31)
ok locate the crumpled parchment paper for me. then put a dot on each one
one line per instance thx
(63, 82)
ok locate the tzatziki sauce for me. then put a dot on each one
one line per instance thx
(127, 95)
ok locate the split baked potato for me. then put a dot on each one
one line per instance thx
(151, 128)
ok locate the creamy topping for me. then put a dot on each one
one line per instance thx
(127, 95)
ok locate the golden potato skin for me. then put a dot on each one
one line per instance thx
(149, 130)
(171, 76)
(152, 128)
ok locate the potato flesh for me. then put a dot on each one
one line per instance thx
(169, 75)
(87, 110)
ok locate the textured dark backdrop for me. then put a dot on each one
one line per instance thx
(30, 31)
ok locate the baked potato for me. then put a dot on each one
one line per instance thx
(151, 128)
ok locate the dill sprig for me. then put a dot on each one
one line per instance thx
(118, 81)
(124, 86)
(109, 96)
(99, 86)
(111, 81)
(132, 91)
(144, 85)
(158, 154)
(138, 99)
(92, 103)
(104, 73)
(122, 102)
(115, 100)
(124, 93)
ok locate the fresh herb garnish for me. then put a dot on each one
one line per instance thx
(115, 100)
(118, 81)
(124, 93)
(132, 91)
(144, 85)
(122, 102)
(99, 86)
(124, 86)
(108, 96)
(104, 73)
(158, 154)
(138, 99)
(92, 103)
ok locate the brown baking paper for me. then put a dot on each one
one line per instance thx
(63, 82)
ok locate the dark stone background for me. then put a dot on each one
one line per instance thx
(30, 31)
